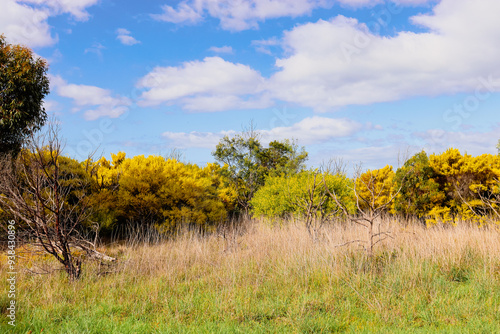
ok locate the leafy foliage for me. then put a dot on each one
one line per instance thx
(419, 188)
(163, 192)
(302, 194)
(23, 86)
(248, 163)
(464, 180)
(374, 188)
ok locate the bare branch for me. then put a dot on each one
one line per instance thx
(350, 242)
(35, 190)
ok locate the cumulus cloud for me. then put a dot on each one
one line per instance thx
(246, 14)
(332, 63)
(124, 36)
(25, 22)
(310, 130)
(340, 62)
(237, 15)
(95, 101)
(74, 7)
(209, 85)
(186, 12)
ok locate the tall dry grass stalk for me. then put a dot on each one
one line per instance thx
(268, 250)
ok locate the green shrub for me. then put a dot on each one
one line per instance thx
(284, 196)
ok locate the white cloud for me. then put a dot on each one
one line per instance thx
(25, 21)
(214, 103)
(123, 35)
(472, 142)
(185, 13)
(339, 62)
(122, 31)
(195, 139)
(209, 85)
(222, 49)
(23, 24)
(51, 106)
(314, 129)
(237, 15)
(264, 46)
(360, 3)
(372, 3)
(310, 130)
(97, 102)
(74, 7)
(414, 2)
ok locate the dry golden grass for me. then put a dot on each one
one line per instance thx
(284, 248)
(279, 279)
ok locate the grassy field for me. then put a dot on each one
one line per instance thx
(274, 280)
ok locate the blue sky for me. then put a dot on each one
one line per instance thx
(365, 81)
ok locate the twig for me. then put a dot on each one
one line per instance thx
(349, 242)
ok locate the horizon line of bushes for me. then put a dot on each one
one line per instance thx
(273, 182)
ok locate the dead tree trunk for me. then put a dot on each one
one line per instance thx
(33, 189)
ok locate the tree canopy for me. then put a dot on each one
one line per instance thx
(419, 188)
(247, 163)
(23, 86)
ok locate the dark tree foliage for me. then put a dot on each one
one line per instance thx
(23, 86)
(249, 163)
(419, 189)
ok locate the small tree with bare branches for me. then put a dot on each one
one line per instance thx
(374, 191)
(49, 200)
(315, 204)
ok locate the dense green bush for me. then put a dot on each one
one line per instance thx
(305, 193)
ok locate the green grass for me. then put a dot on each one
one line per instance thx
(276, 281)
